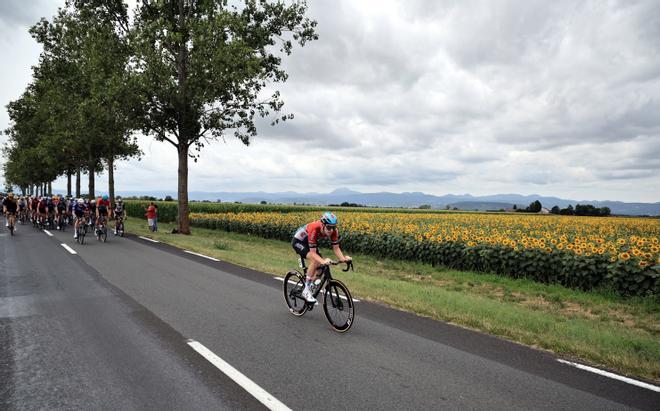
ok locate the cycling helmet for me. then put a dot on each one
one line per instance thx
(92, 201)
(105, 197)
(329, 218)
(10, 196)
(81, 201)
(119, 200)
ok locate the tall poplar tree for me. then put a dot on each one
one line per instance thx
(204, 67)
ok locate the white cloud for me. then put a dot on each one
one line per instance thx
(556, 98)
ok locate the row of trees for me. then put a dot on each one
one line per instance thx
(183, 71)
(583, 210)
(580, 209)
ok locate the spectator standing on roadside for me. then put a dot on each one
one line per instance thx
(155, 217)
(151, 216)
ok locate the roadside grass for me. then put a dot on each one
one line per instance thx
(599, 327)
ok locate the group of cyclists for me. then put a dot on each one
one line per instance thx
(57, 211)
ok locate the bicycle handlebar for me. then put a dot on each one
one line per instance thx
(349, 264)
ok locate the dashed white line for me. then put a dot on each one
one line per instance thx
(48, 233)
(201, 255)
(355, 300)
(247, 384)
(69, 249)
(149, 239)
(612, 375)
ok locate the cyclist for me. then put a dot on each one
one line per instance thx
(91, 205)
(79, 210)
(102, 206)
(119, 212)
(60, 212)
(9, 207)
(22, 209)
(42, 210)
(304, 242)
(34, 208)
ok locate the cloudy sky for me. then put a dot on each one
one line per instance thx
(483, 97)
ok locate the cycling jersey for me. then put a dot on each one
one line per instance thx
(311, 232)
(21, 204)
(42, 206)
(79, 209)
(103, 206)
(119, 209)
(10, 204)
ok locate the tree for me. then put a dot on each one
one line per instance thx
(89, 85)
(204, 67)
(567, 211)
(534, 207)
(555, 210)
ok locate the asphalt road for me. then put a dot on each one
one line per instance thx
(109, 326)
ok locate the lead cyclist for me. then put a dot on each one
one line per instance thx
(304, 242)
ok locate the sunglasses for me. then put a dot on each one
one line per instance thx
(331, 227)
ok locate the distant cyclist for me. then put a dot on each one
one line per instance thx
(9, 207)
(305, 243)
(119, 212)
(102, 208)
(80, 209)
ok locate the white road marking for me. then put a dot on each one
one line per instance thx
(149, 239)
(201, 255)
(48, 232)
(247, 384)
(612, 375)
(355, 300)
(69, 249)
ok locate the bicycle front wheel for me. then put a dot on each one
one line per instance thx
(294, 283)
(338, 306)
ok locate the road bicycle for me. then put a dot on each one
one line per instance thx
(101, 230)
(337, 300)
(11, 219)
(81, 231)
(119, 226)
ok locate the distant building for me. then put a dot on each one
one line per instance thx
(544, 211)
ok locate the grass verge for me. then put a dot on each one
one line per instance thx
(598, 327)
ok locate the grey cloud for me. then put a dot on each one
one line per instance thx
(20, 13)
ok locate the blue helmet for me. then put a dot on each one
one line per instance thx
(105, 197)
(328, 218)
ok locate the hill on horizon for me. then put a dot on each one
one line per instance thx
(405, 200)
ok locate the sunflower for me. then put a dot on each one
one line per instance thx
(624, 256)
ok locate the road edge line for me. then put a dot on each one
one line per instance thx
(611, 375)
(201, 255)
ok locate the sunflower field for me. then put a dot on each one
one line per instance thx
(578, 252)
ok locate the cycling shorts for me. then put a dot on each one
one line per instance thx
(103, 211)
(301, 247)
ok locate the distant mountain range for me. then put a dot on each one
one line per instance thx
(414, 199)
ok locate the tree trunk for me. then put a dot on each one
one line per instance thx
(78, 183)
(111, 179)
(50, 188)
(68, 183)
(184, 224)
(91, 181)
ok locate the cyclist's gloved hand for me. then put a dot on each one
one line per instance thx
(327, 261)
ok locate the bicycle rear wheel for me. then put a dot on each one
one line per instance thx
(338, 306)
(294, 283)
